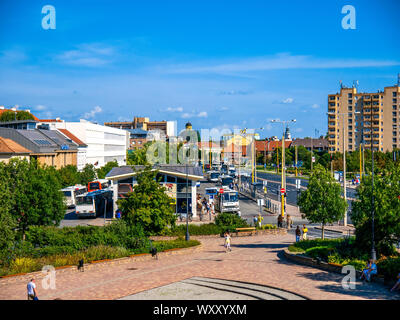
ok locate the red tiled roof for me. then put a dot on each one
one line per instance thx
(270, 145)
(50, 120)
(72, 137)
(10, 146)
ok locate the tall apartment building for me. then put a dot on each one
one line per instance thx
(365, 117)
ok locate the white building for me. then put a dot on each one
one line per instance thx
(104, 143)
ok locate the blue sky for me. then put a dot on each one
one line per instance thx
(219, 64)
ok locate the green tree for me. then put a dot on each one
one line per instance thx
(138, 156)
(322, 201)
(148, 206)
(387, 211)
(102, 172)
(87, 174)
(69, 176)
(9, 115)
(7, 222)
(36, 198)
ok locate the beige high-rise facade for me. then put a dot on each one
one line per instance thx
(365, 117)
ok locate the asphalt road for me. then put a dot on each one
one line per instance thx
(249, 209)
(72, 220)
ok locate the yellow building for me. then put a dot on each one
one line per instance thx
(365, 117)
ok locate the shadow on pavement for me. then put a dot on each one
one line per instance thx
(262, 245)
(366, 290)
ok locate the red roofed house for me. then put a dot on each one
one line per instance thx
(267, 147)
(10, 149)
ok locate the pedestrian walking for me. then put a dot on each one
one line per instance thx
(227, 241)
(255, 221)
(31, 288)
(298, 234)
(288, 221)
(280, 221)
(305, 230)
(259, 219)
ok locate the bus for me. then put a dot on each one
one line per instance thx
(225, 180)
(227, 201)
(98, 185)
(70, 194)
(213, 176)
(94, 204)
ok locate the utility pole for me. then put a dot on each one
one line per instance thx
(283, 177)
(360, 163)
(344, 170)
(373, 252)
(295, 157)
(311, 155)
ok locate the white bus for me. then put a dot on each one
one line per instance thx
(95, 203)
(213, 176)
(70, 194)
(227, 201)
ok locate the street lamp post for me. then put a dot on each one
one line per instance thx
(187, 237)
(373, 252)
(283, 178)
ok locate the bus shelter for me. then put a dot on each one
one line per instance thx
(180, 182)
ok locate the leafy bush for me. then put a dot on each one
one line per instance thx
(231, 220)
(321, 252)
(293, 248)
(21, 265)
(306, 244)
(196, 230)
(389, 267)
(178, 243)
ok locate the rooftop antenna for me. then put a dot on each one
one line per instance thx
(355, 84)
(341, 84)
(398, 79)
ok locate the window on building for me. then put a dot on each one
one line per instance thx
(394, 107)
(350, 95)
(394, 94)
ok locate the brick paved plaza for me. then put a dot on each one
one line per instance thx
(254, 259)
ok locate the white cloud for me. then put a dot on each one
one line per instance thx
(276, 62)
(88, 55)
(177, 109)
(288, 100)
(40, 108)
(224, 108)
(186, 115)
(315, 106)
(201, 114)
(91, 114)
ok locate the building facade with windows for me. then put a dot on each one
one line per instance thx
(366, 119)
(104, 144)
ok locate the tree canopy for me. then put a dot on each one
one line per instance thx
(322, 201)
(386, 207)
(34, 193)
(148, 206)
